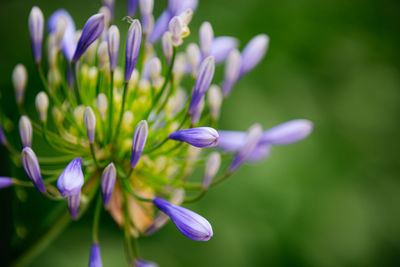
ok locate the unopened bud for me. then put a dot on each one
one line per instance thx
(167, 46)
(206, 37)
(25, 131)
(61, 25)
(102, 105)
(194, 57)
(102, 55)
(42, 105)
(90, 123)
(176, 28)
(212, 166)
(214, 98)
(19, 78)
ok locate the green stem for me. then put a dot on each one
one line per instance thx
(110, 109)
(121, 114)
(196, 197)
(128, 187)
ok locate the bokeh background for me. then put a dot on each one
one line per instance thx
(330, 200)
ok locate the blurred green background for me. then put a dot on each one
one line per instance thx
(330, 200)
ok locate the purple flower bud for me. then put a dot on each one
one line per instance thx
(206, 37)
(133, 41)
(32, 168)
(143, 263)
(231, 141)
(221, 47)
(203, 81)
(91, 31)
(107, 183)
(232, 71)
(71, 179)
(132, 7)
(68, 42)
(189, 223)
(5, 182)
(113, 46)
(167, 46)
(212, 166)
(25, 131)
(253, 53)
(36, 27)
(288, 132)
(95, 257)
(253, 137)
(139, 140)
(73, 205)
(198, 137)
(89, 119)
(19, 79)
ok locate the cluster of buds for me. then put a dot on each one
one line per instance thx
(131, 137)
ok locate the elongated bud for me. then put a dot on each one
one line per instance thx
(32, 168)
(194, 57)
(231, 141)
(143, 263)
(176, 28)
(42, 105)
(89, 120)
(288, 132)
(91, 31)
(102, 55)
(214, 98)
(222, 46)
(252, 139)
(133, 41)
(139, 140)
(167, 46)
(206, 36)
(36, 27)
(212, 166)
(73, 205)
(25, 131)
(107, 183)
(113, 46)
(254, 52)
(203, 81)
(19, 78)
(191, 224)
(71, 179)
(198, 137)
(61, 25)
(232, 71)
(102, 105)
(5, 182)
(95, 257)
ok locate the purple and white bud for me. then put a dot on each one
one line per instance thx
(42, 105)
(203, 81)
(95, 257)
(232, 71)
(139, 140)
(132, 7)
(32, 168)
(222, 46)
(91, 31)
(288, 132)
(73, 205)
(176, 26)
(214, 98)
(36, 28)
(89, 119)
(113, 46)
(143, 263)
(167, 46)
(133, 41)
(102, 105)
(206, 37)
(108, 182)
(194, 57)
(191, 224)
(253, 53)
(253, 137)
(198, 137)
(5, 182)
(25, 131)
(71, 179)
(212, 166)
(19, 79)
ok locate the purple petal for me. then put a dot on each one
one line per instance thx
(231, 141)
(198, 137)
(73, 205)
(5, 182)
(71, 179)
(108, 182)
(95, 257)
(139, 140)
(32, 168)
(221, 47)
(133, 41)
(160, 27)
(288, 132)
(254, 52)
(259, 153)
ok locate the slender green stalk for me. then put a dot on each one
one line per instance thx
(110, 108)
(128, 187)
(121, 114)
(195, 197)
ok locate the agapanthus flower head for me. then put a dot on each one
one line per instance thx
(71, 179)
(5, 182)
(198, 137)
(32, 168)
(95, 257)
(25, 131)
(36, 29)
(108, 179)
(91, 31)
(133, 42)
(189, 223)
(19, 79)
(139, 140)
